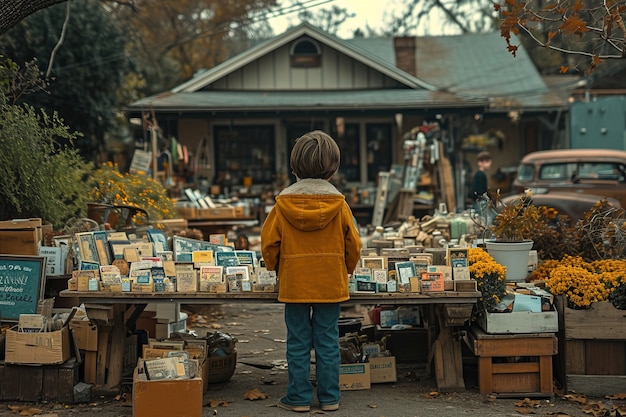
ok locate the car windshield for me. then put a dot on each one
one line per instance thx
(525, 172)
(581, 171)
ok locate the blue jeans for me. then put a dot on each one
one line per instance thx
(312, 326)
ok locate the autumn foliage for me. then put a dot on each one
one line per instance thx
(591, 29)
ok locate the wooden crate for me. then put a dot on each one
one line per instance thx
(519, 322)
(497, 374)
(54, 383)
(593, 348)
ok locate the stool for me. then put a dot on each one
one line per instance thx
(498, 374)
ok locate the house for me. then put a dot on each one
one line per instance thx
(239, 119)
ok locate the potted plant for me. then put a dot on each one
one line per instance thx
(510, 233)
(490, 279)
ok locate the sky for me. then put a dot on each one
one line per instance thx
(366, 13)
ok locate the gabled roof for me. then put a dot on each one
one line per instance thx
(260, 101)
(304, 29)
(465, 71)
(479, 65)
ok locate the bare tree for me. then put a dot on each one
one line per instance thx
(585, 28)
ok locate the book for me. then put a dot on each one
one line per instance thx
(244, 270)
(164, 368)
(247, 257)
(186, 280)
(209, 275)
(226, 259)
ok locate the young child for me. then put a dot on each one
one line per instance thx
(311, 240)
(480, 186)
(479, 182)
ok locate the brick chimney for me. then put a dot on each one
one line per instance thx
(405, 53)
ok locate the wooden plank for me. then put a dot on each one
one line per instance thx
(11, 387)
(597, 385)
(515, 346)
(50, 386)
(601, 321)
(485, 375)
(102, 360)
(515, 368)
(67, 379)
(603, 357)
(91, 364)
(448, 360)
(116, 354)
(31, 383)
(575, 357)
(545, 374)
(512, 383)
(445, 177)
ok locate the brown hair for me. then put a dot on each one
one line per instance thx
(315, 155)
(484, 156)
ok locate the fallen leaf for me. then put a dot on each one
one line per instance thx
(527, 402)
(280, 340)
(372, 405)
(616, 397)
(216, 326)
(217, 403)
(579, 398)
(254, 394)
(525, 410)
(433, 394)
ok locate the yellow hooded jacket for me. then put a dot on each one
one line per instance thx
(311, 240)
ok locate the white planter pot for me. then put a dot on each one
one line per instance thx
(512, 255)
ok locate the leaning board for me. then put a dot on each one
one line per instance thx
(21, 285)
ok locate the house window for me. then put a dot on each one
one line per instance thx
(350, 152)
(244, 151)
(305, 53)
(378, 142)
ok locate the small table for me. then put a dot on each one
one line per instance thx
(498, 369)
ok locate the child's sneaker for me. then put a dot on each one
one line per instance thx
(330, 407)
(296, 408)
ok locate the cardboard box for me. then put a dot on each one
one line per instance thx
(47, 348)
(31, 223)
(166, 397)
(85, 334)
(354, 376)
(383, 369)
(19, 242)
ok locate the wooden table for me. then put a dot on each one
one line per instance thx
(217, 225)
(448, 309)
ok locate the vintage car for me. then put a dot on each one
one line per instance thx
(572, 180)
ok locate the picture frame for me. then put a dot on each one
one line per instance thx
(210, 274)
(405, 271)
(247, 257)
(380, 275)
(87, 247)
(158, 239)
(373, 262)
(226, 259)
(103, 249)
(244, 270)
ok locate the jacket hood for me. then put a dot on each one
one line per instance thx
(310, 204)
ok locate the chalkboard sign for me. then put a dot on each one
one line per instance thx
(21, 285)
